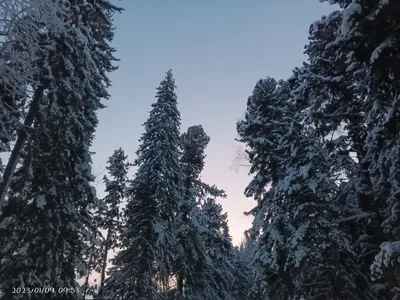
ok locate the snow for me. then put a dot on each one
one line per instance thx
(262, 140)
(304, 171)
(385, 258)
(331, 2)
(41, 201)
(53, 190)
(378, 50)
(158, 228)
(318, 23)
(43, 30)
(356, 217)
(347, 24)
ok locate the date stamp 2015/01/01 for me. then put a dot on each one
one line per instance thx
(45, 290)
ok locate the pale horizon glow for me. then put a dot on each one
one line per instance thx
(217, 50)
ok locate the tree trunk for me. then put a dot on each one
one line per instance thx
(86, 285)
(104, 265)
(180, 285)
(21, 139)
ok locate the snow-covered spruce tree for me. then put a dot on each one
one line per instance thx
(219, 251)
(244, 268)
(299, 245)
(25, 46)
(333, 88)
(198, 271)
(370, 28)
(246, 248)
(193, 145)
(149, 240)
(52, 229)
(368, 33)
(191, 267)
(197, 227)
(133, 271)
(190, 263)
(241, 283)
(264, 125)
(94, 258)
(110, 215)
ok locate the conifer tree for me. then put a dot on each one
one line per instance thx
(219, 250)
(149, 239)
(51, 223)
(363, 88)
(191, 259)
(110, 216)
(24, 50)
(193, 144)
(370, 31)
(296, 220)
(241, 284)
(199, 271)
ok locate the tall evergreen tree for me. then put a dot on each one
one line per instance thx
(52, 228)
(110, 216)
(241, 284)
(191, 260)
(25, 49)
(200, 224)
(363, 87)
(219, 250)
(298, 241)
(193, 144)
(149, 239)
(370, 30)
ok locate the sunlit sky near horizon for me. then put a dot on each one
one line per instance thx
(217, 50)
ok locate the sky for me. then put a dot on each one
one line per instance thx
(217, 51)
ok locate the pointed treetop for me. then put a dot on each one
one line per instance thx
(169, 74)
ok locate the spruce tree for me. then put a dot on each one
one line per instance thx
(191, 261)
(363, 87)
(25, 49)
(296, 232)
(334, 88)
(219, 251)
(241, 284)
(110, 216)
(149, 239)
(198, 270)
(193, 144)
(51, 223)
(370, 28)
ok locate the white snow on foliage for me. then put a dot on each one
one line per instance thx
(322, 22)
(331, 2)
(43, 30)
(41, 201)
(378, 50)
(390, 251)
(348, 14)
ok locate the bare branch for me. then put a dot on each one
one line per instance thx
(98, 177)
(240, 160)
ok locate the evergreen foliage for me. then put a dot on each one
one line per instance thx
(323, 146)
(110, 215)
(149, 237)
(48, 229)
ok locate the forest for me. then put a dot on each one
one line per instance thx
(323, 147)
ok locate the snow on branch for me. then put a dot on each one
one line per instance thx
(386, 258)
(10, 12)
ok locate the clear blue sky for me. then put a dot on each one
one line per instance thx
(217, 51)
